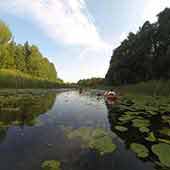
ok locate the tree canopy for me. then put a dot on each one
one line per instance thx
(144, 55)
(25, 58)
(92, 82)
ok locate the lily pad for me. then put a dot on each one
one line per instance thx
(166, 119)
(97, 139)
(151, 137)
(140, 150)
(51, 165)
(126, 118)
(162, 150)
(140, 123)
(164, 140)
(144, 129)
(103, 145)
(151, 112)
(121, 128)
(165, 131)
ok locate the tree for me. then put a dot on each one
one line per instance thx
(142, 56)
(5, 34)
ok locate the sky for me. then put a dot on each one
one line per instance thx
(78, 36)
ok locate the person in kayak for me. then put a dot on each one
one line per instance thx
(110, 95)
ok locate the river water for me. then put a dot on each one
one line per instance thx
(34, 128)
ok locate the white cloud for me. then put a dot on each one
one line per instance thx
(153, 7)
(67, 21)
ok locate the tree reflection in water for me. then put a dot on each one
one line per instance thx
(23, 109)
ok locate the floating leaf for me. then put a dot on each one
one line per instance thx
(164, 140)
(166, 119)
(151, 137)
(152, 112)
(121, 128)
(97, 139)
(51, 165)
(162, 150)
(140, 150)
(144, 129)
(165, 131)
(103, 145)
(140, 123)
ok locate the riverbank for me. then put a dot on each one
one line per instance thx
(18, 80)
(149, 88)
(5, 91)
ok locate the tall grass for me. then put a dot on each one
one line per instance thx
(17, 79)
(152, 88)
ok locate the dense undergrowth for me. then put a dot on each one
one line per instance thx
(17, 79)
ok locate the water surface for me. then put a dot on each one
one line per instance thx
(33, 129)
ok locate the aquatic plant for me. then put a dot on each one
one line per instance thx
(166, 119)
(140, 122)
(97, 139)
(151, 137)
(102, 145)
(165, 131)
(162, 150)
(121, 128)
(126, 118)
(51, 165)
(164, 140)
(140, 150)
(144, 129)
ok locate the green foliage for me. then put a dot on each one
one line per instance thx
(144, 130)
(25, 59)
(93, 82)
(140, 150)
(18, 108)
(140, 122)
(165, 131)
(143, 56)
(51, 165)
(5, 34)
(162, 150)
(121, 128)
(97, 139)
(18, 79)
(151, 137)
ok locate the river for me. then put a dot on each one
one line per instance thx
(55, 126)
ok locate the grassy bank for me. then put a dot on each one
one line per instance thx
(17, 79)
(152, 88)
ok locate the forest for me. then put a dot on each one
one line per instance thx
(144, 55)
(91, 82)
(23, 66)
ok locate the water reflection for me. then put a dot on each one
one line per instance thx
(23, 109)
(78, 114)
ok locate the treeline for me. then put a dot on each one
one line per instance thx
(93, 82)
(143, 56)
(25, 59)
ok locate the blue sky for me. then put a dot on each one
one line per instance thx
(78, 36)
